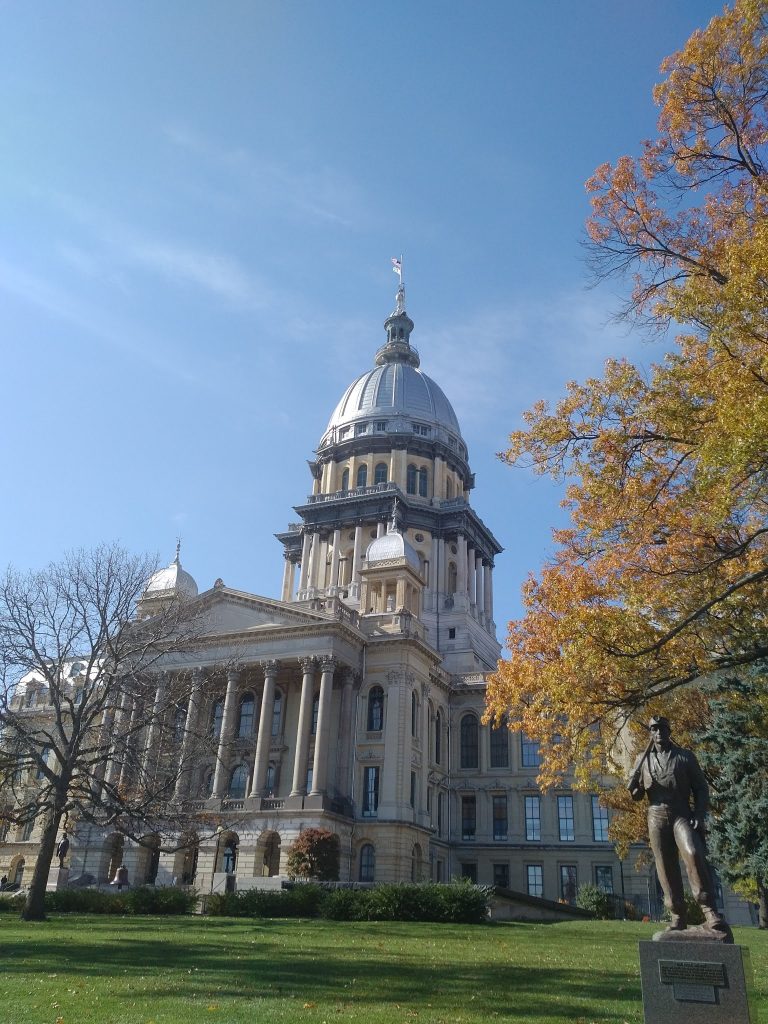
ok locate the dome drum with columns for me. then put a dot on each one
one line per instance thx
(354, 702)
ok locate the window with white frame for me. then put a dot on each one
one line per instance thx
(533, 818)
(371, 791)
(535, 879)
(468, 817)
(565, 819)
(600, 821)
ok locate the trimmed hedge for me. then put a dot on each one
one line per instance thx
(142, 900)
(457, 903)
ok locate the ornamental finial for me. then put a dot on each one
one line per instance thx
(397, 266)
(178, 551)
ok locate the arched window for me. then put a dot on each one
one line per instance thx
(26, 832)
(423, 482)
(229, 856)
(414, 714)
(362, 475)
(277, 713)
(416, 863)
(45, 753)
(500, 746)
(380, 473)
(449, 488)
(217, 716)
(469, 742)
(452, 578)
(367, 863)
(238, 782)
(410, 479)
(206, 788)
(247, 715)
(179, 723)
(345, 480)
(438, 737)
(315, 712)
(375, 709)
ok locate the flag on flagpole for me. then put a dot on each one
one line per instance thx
(397, 267)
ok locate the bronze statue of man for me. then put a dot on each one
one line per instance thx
(678, 801)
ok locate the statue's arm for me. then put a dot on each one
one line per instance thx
(635, 784)
(699, 789)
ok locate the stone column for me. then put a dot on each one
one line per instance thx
(187, 743)
(129, 742)
(461, 564)
(471, 574)
(314, 552)
(304, 574)
(348, 729)
(489, 593)
(286, 591)
(264, 739)
(334, 580)
(479, 586)
(113, 768)
(322, 736)
(227, 725)
(153, 732)
(357, 555)
(308, 666)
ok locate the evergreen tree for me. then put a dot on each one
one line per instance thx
(734, 755)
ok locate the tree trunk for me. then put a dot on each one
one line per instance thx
(762, 905)
(34, 907)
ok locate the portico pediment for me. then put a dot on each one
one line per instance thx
(229, 611)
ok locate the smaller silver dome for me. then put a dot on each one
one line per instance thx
(392, 546)
(172, 580)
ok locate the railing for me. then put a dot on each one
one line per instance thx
(353, 492)
(269, 803)
(232, 805)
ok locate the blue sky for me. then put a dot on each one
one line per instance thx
(198, 206)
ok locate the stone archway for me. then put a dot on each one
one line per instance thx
(16, 870)
(268, 854)
(147, 860)
(185, 859)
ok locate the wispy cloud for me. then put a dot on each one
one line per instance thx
(320, 192)
(215, 272)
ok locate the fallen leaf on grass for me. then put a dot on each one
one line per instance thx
(308, 1006)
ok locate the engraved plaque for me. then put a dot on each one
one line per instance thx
(692, 972)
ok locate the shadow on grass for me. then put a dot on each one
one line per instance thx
(260, 960)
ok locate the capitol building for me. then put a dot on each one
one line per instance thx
(354, 701)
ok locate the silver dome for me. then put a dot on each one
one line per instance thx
(392, 546)
(171, 580)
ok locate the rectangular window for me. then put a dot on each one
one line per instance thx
(439, 814)
(501, 875)
(381, 425)
(499, 817)
(413, 789)
(439, 871)
(529, 750)
(468, 817)
(565, 819)
(429, 800)
(535, 876)
(604, 878)
(361, 428)
(371, 792)
(533, 818)
(599, 821)
(500, 747)
(469, 871)
(568, 882)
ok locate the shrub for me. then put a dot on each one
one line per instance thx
(345, 905)
(147, 899)
(298, 901)
(84, 901)
(598, 903)
(457, 903)
(315, 854)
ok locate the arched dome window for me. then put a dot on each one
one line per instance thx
(277, 713)
(367, 863)
(375, 709)
(451, 577)
(362, 475)
(217, 716)
(380, 473)
(345, 480)
(410, 480)
(238, 782)
(247, 715)
(469, 742)
(423, 482)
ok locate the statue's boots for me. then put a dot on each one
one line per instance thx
(714, 919)
(677, 923)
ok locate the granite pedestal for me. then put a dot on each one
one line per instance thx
(695, 983)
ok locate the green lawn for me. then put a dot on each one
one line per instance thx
(133, 970)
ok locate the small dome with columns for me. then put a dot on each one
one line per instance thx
(172, 580)
(392, 546)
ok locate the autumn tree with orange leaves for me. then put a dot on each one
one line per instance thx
(660, 584)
